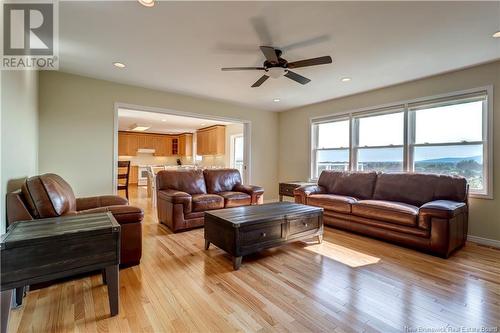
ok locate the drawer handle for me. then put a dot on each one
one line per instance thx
(263, 234)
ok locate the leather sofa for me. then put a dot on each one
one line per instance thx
(183, 196)
(422, 211)
(49, 195)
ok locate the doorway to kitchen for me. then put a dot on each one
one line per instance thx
(154, 139)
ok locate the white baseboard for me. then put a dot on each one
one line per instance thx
(484, 241)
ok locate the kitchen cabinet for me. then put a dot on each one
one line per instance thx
(160, 145)
(186, 144)
(163, 144)
(133, 178)
(211, 140)
(127, 144)
(146, 141)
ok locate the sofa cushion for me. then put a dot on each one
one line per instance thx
(355, 184)
(395, 212)
(411, 188)
(189, 180)
(48, 195)
(202, 202)
(327, 179)
(452, 188)
(338, 203)
(221, 180)
(235, 199)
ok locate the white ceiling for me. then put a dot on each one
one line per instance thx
(180, 46)
(162, 123)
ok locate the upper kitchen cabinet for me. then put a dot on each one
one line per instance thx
(211, 140)
(163, 144)
(185, 144)
(128, 144)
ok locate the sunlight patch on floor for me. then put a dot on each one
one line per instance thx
(343, 254)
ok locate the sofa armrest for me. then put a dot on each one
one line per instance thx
(176, 197)
(123, 214)
(16, 209)
(256, 192)
(444, 209)
(448, 225)
(100, 201)
(301, 193)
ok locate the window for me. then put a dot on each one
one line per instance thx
(449, 140)
(331, 151)
(438, 135)
(379, 149)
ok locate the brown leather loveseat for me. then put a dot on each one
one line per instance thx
(185, 195)
(49, 195)
(422, 211)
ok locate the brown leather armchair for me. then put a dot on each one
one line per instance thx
(185, 195)
(423, 211)
(49, 195)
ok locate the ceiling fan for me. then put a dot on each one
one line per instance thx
(275, 66)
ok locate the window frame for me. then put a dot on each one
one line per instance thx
(409, 110)
(315, 139)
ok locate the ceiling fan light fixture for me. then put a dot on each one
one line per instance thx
(345, 79)
(275, 72)
(119, 65)
(147, 3)
(496, 34)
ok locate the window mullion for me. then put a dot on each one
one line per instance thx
(354, 139)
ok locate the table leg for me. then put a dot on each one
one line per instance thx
(207, 244)
(18, 301)
(103, 275)
(320, 239)
(6, 298)
(237, 263)
(113, 281)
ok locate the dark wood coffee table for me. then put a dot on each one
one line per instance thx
(244, 230)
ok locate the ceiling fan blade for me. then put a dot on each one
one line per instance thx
(269, 53)
(297, 78)
(242, 69)
(262, 79)
(310, 62)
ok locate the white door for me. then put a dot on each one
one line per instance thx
(237, 148)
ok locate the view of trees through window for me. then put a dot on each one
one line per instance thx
(442, 138)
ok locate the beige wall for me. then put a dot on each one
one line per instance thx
(294, 147)
(76, 129)
(19, 134)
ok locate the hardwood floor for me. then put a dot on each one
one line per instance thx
(346, 284)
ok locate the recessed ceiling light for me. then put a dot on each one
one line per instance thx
(202, 124)
(147, 3)
(119, 64)
(164, 120)
(276, 100)
(496, 34)
(345, 79)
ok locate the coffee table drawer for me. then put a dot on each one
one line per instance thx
(304, 224)
(260, 234)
